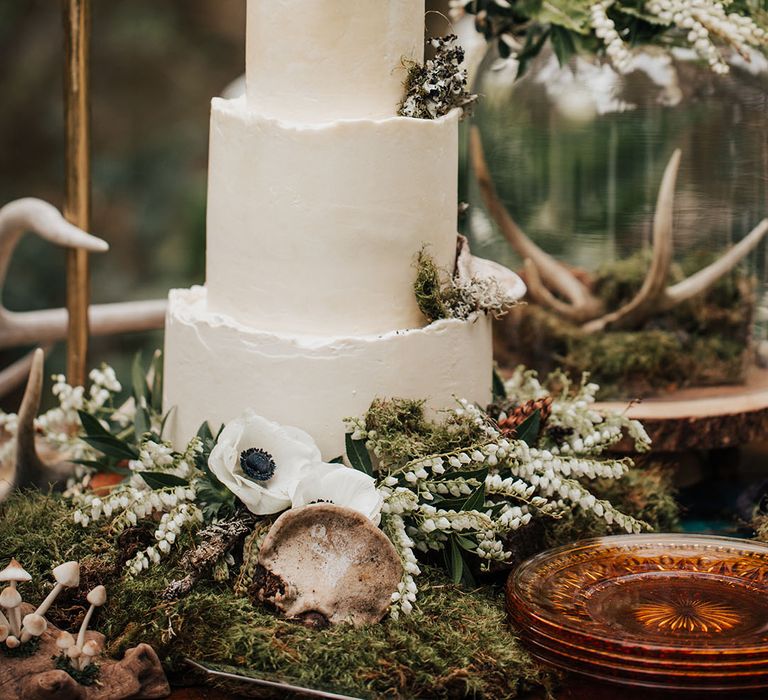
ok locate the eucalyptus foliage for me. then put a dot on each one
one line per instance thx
(521, 28)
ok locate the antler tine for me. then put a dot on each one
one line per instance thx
(553, 273)
(539, 292)
(648, 299)
(50, 325)
(28, 468)
(704, 279)
(46, 221)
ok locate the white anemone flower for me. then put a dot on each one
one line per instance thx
(342, 486)
(261, 462)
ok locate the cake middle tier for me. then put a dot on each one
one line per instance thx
(314, 228)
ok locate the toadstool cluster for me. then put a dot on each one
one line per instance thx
(15, 631)
(10, 600)
(80, 652)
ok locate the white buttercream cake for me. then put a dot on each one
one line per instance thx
(319, 200)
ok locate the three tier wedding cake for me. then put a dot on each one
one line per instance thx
(319, 200)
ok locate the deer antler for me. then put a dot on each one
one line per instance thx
(655, 296)
(704, 279)
(646, 301)
(583, 304)
(50, 325)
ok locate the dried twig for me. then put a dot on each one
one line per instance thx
(215, 541)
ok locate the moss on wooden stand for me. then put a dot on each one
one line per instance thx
(701, 343)
(456, 644)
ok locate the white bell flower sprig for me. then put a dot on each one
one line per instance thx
(464, 502)
(59, 427)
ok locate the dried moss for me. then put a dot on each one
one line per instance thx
(704, 342)
(428, 288)
(457, 643)
(403, 430)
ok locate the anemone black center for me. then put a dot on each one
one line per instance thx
(257, 464)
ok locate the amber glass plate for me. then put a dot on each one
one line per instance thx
(677, 598)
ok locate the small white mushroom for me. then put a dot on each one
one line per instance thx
(10, 599)
(97, 597)
(64, 641)
(12, 642)
(33, 625)
(5, 628)
(73, 652)
(67, 575)
(90, 650)
(14, 573)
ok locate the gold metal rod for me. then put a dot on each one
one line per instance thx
(77, 207)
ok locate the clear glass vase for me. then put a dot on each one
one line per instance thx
(576, 155)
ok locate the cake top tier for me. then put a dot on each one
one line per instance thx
(312, 61)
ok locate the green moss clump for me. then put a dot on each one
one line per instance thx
(429, 288)
(457, 643)
(704, 342)
(404, 432)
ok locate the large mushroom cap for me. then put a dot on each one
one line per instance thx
(14, 572)
(91, 648)
(35, 624)
(329, 560)
(67, 574)
(10, 598)
(64, 641)
(98, 596)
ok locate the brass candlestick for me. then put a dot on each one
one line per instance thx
(77, 207)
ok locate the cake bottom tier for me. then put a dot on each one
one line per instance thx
(215, 368)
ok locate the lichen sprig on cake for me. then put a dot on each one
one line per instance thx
(439, 86)
(443, 295)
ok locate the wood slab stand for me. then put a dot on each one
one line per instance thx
(703, 418)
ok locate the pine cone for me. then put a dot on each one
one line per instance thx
(521, 412)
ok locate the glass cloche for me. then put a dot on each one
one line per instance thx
(630, 279)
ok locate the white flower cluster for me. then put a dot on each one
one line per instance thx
(405, 595)
(473, 498)
(59, 427)
(134, 499)
(585, 431)
(605, 30)
(171, 524)
(706, 22)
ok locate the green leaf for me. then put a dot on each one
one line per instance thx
(92, 426)
(465, 543)
(455, 561)
(358, 455)
(571, 15)
(157, 382)
(499, 391)
(448, 475)
(141, 422)
(563, 44)
(476, 501)
(159, 480)
(337, 460)
(528, 430)
(204, 432)
(110, 446)
(139, 382)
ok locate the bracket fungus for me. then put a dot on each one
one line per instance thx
(325, 563)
